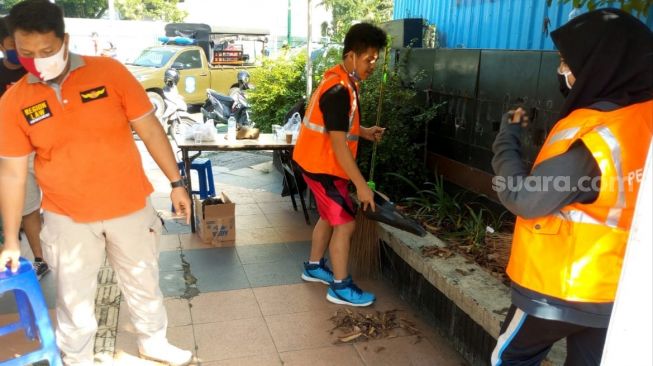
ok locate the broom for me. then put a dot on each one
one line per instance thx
(365, 253)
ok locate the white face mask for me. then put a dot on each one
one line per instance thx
(353, 74)
(566, 76)
(46, 68)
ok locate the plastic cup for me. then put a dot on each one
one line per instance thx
(198, 137)
(276, 131)
(288, 137)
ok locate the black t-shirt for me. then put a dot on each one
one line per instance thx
(8, 76)
(335, 106)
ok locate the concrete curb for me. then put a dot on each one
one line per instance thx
(471, 288)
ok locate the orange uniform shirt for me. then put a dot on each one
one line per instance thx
(87, 163)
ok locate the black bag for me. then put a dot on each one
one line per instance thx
(300, 107)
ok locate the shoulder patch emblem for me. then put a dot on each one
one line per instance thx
(94, 94)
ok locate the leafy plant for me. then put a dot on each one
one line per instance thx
(151, 10)
(433, 204)
(347, 12)
(497, 223)
(402, 149)
(640, 7)
(129, 9)
(281, 82)
(473, 228)
(466, 226)
(431, 37)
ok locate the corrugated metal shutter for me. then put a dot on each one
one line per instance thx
(498, 24)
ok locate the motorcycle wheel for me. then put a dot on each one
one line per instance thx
(178, 124)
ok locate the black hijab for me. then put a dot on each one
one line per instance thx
(610, 53)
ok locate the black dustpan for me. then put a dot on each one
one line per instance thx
(387, 213)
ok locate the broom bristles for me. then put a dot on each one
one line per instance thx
(365, 249)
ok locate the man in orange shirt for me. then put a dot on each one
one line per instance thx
(77, 113)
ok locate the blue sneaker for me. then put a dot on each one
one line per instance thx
(317, 272)
(347, 293)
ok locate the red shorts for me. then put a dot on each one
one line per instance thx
(332, 197)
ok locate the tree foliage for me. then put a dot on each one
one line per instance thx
(281, 82)
(348, 12)
(71, 8)
(403, 146)
(639, 7)
(165, 10)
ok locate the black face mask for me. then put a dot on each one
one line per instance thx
(564, 89)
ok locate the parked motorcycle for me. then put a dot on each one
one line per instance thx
(219, 107)
(175, 115)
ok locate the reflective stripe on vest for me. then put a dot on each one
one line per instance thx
(564, 135)
(321, 129)
(579, 217)
(313, 150)
(615, 149)
(614, 215)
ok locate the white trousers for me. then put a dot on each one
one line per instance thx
(75, 252)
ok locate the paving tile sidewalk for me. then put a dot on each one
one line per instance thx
(246, 304)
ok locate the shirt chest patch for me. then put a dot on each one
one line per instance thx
(94, 94)
(37, 112)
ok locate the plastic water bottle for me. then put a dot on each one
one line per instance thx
(231, 129)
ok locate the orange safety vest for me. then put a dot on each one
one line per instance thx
(313, 151)
(576, 254)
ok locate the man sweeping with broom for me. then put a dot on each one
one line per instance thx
(326, 153)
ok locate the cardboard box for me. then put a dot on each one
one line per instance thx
(216, 223)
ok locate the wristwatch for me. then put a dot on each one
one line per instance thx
(178, 183)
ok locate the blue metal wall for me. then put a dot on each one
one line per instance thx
(501, 24)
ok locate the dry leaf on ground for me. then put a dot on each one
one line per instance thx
(436, 251)
(356, 326)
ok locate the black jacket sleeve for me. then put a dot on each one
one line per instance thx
(553, 184)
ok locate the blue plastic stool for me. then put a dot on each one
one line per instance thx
(205, 175)
(33, 313)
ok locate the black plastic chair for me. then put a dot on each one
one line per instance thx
(291, 180)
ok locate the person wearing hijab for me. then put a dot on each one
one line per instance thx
(575, 206)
